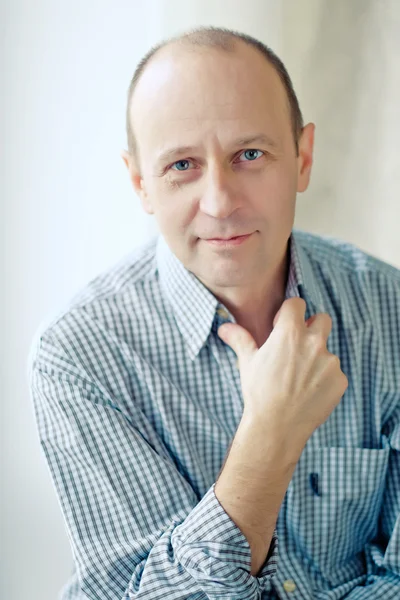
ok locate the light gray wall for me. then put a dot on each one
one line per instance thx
(68, 210)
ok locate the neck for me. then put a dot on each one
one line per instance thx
(254, 307)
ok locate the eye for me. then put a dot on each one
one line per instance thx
(181, 163)
(250, 154)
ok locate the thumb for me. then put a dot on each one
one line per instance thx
(238, 338)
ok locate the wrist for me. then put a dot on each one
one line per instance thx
(274, 441)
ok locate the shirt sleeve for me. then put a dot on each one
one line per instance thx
(136, 527)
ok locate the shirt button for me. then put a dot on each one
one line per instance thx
(289, 585)
(222, 313)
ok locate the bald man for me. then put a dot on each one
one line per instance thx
(220, 410)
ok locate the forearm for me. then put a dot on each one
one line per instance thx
(253, 483)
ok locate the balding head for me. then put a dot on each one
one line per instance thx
(224, 40)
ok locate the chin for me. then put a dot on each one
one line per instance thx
(225, 277)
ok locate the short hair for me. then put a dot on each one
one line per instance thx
(224, 39)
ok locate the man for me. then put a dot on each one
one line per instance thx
(232, 387)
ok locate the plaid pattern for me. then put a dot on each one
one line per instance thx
(137, 399)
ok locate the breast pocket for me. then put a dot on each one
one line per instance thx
(333, 504)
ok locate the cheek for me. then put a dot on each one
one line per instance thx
(177, 216)
(279, 189)
(174, 208)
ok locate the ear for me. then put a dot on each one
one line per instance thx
(305, 158)
(137, 181)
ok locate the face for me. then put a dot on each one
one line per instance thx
(217, 160)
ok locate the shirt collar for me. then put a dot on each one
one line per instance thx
(194, 306)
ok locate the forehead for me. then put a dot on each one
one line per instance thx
(188, 93)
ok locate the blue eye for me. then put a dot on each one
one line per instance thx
(183, 165)
(180, 162)
(251, 158)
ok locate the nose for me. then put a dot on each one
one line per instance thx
(219, 198)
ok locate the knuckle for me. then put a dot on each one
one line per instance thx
(318, 342)
(293, 333)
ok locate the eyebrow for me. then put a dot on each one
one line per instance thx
(169, 154)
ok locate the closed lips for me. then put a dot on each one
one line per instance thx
(229, 238)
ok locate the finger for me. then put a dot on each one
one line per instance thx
(292, 309)
(238, 338)
(320, 323)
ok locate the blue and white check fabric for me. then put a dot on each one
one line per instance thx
(137, 400)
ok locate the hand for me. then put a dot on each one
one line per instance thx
(292, 382)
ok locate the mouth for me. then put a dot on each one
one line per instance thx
(229, 242)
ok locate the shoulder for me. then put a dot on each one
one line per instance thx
(364, 291)
(342, 258)
(97, 307)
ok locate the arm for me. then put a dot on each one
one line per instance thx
(253, 482)
(136, 527)
(384, 555)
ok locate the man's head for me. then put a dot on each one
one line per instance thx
(229, 109)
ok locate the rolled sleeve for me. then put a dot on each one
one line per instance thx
(212, 548)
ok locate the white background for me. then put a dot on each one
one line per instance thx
(68, 210)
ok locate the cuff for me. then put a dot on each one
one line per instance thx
(210, 546)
